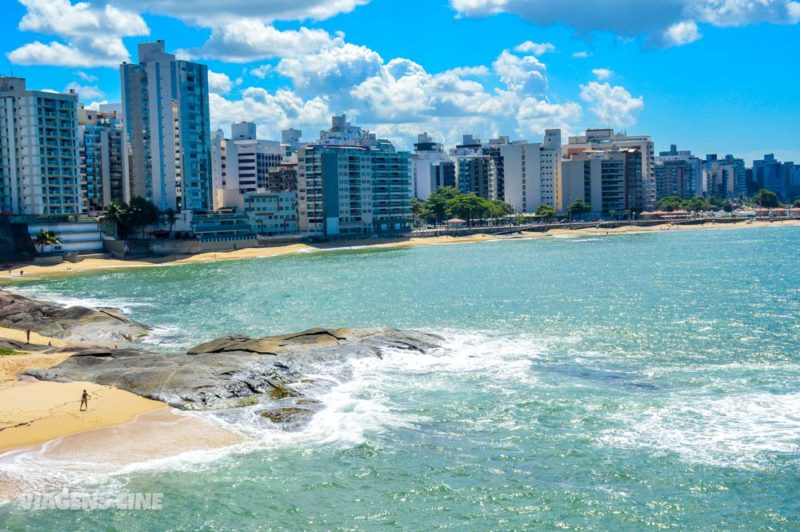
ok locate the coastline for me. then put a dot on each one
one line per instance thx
(32, 271)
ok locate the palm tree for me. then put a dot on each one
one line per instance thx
(45, 238)
(170, 218)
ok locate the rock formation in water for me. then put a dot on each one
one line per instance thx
(235, 371)
(70, 323)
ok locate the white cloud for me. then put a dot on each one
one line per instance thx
(583, 54)
(664, 22)
(262, 72)
(535, 48)
(681, 33)
(613, 106)
(85, 76)
(603, 73)
(521, 74)
(249, 39)
(91, 92)
(209, 13)
(93, 35)
(534, 116)
(219, 83)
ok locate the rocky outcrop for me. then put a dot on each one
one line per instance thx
(69, 323)
(228, 371)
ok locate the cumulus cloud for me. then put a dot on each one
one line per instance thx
(219, 83)
(209, 13)
(612, 105)
(93, 34)
(249, 39)
(603, 73)
(535, 48)
(664, 23)
(583, 54)
(91, 92)
(521, 74)
(262, 71)
(681, 33)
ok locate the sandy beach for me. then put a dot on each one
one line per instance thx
(110, 264)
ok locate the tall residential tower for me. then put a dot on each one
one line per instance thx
(167, 130)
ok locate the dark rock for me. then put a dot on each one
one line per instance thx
(289, 414)
(219, 374)
(69, 323)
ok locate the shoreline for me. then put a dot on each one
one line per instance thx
(95, 265)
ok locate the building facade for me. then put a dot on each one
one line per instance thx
(426, 159)
(39, 168)
(678, 173)
(724, 178)
(100, 137)
(272, 213)
(776, 176)
(167, 136)
(532, 173)
(640, 182)
(352, 184)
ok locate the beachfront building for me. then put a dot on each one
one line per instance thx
(167, 134)
(497, 172)
(100, 150)
(249, 160)
(776, 176)
(678, 173)
(532, 173)
(473, 168)
(39, 171)
(426, 160)
(272, 213)
(724, 178)
(638, 187)
(352, 184)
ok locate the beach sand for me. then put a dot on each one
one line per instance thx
(33, 411)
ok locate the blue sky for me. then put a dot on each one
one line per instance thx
(710, 75)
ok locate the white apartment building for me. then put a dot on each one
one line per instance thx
(39, 168)
(532, 173)
(427, 156)
(640, 182)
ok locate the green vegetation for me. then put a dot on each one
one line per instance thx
(545, 212)
(6, 352)
(797, 204)
(448, 202)
(676, 203)
(135, 216)
(766, 199)
(45, 238)
(579, 207)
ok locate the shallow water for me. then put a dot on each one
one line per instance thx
(625, 382)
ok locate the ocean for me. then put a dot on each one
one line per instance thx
(622, 382)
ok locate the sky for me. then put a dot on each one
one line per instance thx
(713, 76)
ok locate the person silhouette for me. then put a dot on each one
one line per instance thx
(84, 401)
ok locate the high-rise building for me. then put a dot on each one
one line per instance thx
(601, 179)
(426, 159)
(39, 171)
(473, 168)
(640, 182)
(497, 180)
(244, 163)
(532, 173)
(352, 184)
(678, 173)
(167, 138)
(100, 138)
(774, 175)
(724, 178)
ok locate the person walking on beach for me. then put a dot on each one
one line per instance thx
(28, 336)
(84, 401)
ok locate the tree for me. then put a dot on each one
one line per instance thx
(417, 208)
(498, 209)
(545, 212)
(766, 199)
(579, 207)
(697, 204)
(45, 238)
(797, 204)
(467, 206)
(170, 218)
(727, 206)
(435, 210)
(671, 203)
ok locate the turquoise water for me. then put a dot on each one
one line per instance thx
(639, 381)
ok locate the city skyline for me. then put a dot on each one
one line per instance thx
(513, 69)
